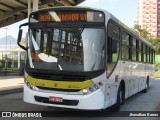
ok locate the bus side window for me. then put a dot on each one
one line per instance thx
(125, 45)
(109, 52)
(140, 52)
(151, 56)
(114, 46)
(113, 49)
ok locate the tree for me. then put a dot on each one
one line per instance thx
(156, 44)
(142, 32)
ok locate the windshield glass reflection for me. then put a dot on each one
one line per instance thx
(67, 49)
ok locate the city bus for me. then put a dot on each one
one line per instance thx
(83, 58)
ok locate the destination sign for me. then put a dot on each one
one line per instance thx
(52, 16)
(63, 17)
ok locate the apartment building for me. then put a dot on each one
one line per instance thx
(149, 16)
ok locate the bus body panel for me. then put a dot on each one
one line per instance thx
(134, 82)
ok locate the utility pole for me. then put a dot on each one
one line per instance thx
(6, 55)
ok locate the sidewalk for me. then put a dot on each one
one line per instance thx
(9, 84)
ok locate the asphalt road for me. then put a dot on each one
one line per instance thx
(149, 101)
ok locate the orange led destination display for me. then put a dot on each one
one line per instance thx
(62, 17)
(67, 16)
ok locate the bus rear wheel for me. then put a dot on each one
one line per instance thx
(146, 86)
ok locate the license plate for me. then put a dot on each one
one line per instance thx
(55, 99)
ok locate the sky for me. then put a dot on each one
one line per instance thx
(124, 10)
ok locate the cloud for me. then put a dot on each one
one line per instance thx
(113, 1)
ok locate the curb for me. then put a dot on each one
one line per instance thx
(12, 90)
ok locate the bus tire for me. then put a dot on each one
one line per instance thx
(116, 107)
(122, 94)
(146, 86)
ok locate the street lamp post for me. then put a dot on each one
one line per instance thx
(6, 38)
(6, 55)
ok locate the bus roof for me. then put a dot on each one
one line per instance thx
(66, 7)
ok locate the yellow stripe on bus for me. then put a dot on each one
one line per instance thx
(59, 84)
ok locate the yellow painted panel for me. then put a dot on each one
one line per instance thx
(59, 84)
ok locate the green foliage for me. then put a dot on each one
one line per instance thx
(156, 44)
(157, 75)
(142, 32)
(158, 66)
(157, 59)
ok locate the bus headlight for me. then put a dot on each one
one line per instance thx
(27, 83)
(32, 87)
(92, 88)
(84, 91)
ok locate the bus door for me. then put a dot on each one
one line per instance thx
(113, 68)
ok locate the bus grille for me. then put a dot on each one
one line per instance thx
(65, 102)
(49, 76)
(55, 89)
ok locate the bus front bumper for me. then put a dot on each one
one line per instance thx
(91, 101)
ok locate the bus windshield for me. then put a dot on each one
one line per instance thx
(67, 49)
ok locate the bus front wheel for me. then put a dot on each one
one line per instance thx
(120, 99)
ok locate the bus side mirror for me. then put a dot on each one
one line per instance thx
(20, 37)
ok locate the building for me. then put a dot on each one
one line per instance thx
(158, 18)
(149, 16)
(11, 56)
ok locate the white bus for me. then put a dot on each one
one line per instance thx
(82, 58)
